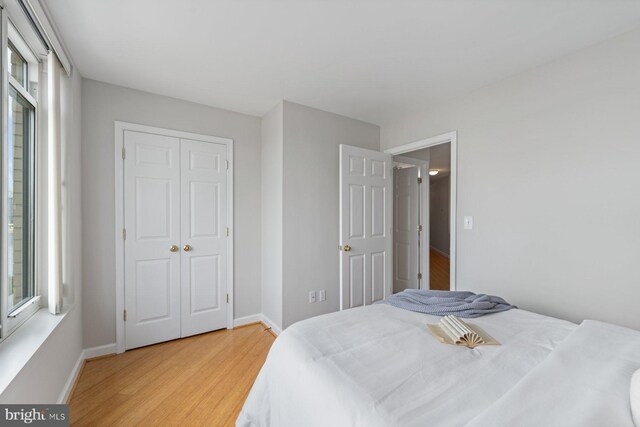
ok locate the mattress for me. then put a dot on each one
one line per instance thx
(380, 366)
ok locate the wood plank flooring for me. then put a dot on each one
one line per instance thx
(200, 380)
(439, 271)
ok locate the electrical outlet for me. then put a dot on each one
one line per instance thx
(322, 295)
(312, 296)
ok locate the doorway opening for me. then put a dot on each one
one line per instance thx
(366, 220)
(424, 214)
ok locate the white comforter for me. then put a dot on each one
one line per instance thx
(380, 366)
(584, 382)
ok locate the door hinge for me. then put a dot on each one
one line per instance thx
(419, 180)
(227, 298)
(124, 153)
(124, 234)
(227, 163)
(124, 315)
(419, 276)
(419, 227)
(227, 231)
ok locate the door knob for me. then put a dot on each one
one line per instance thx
(187, 248)
(346, 248)
(174, 248)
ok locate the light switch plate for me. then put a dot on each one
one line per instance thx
(322, 295)
(468, 223)
(312, 296)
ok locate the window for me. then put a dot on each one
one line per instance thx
(19, 147)
(20, 200)
(18, 67)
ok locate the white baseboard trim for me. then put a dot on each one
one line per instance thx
(87, 353)
(270, 323)
(66, 390)
(439, 251)
(102, 350)
(241, 321)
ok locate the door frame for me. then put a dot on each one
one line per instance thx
(120, 127)
(424, 219)
(452, 138)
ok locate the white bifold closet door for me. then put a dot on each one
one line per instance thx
(175, 250)
(365, 226)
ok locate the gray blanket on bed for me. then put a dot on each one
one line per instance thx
(444, 303)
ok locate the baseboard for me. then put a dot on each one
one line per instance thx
(72, 380)
(241, 321)
(86, 354)
(102, 350)
(439, 251)
(271, 324)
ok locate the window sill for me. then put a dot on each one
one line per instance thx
(21, 345)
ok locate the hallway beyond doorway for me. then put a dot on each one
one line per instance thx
(439, 271)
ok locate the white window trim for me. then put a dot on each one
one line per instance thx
(11, 321)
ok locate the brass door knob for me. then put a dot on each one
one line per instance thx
(346, 248)
(187, 248)
(174, 248)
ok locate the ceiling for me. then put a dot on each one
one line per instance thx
(373, 60)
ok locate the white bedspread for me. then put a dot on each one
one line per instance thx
(380, 366)
(584, 382)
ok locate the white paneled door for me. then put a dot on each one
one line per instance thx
(175, 217)
(365, 226)
(405, 234)
(152, 218)
(204, 245)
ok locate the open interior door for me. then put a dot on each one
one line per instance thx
(366, 185)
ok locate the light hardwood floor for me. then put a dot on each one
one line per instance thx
(439, 271)
(200, 380)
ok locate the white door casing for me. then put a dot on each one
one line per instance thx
(204, 234)
(405, 229)
(365, 226)
(452, 138)
(152, 217)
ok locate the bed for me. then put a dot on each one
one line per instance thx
(379, 366)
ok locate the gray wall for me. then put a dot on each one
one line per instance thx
(549, 167)
(439, 195)
(311, 217)
(44, 376)
(102, 105)
(272, 187)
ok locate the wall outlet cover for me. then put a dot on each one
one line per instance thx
(312, 296)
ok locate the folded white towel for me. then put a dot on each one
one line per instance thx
(635, 397)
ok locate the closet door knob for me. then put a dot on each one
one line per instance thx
(174, 248)
(187, 248)
(346, 248)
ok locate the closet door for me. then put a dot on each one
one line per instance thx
(152, 223)
(204, 233)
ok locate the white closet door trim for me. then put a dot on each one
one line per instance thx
(120, 127)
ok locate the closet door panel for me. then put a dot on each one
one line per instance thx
(152, 221)
(204, 234)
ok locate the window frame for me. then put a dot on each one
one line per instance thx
(11, 320)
